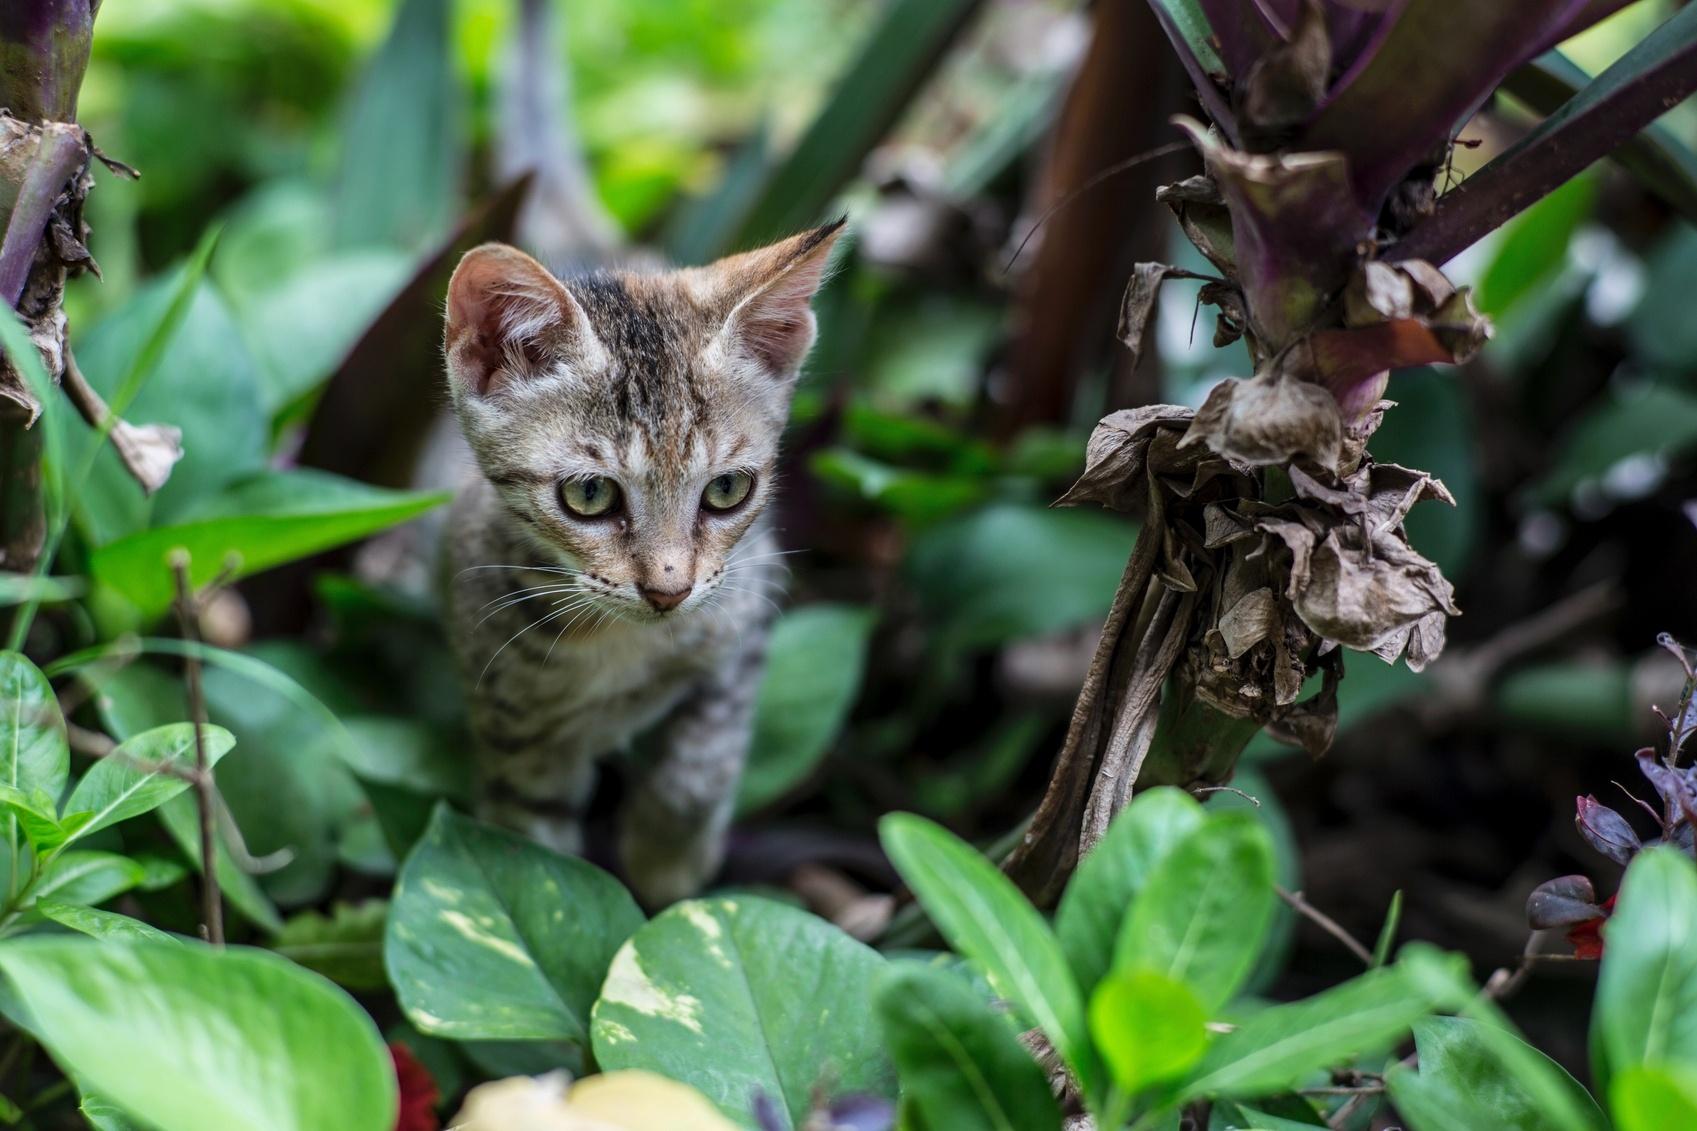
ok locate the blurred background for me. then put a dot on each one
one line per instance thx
(346, 151)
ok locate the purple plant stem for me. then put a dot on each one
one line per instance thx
(1433, 67)
(1590, 13)
(60, 154)
(1642, 85)
(44, 46)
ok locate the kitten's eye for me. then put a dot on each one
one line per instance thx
(591, 497)
(728, 490)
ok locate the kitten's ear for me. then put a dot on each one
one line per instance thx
(509, 320)
(771, 292)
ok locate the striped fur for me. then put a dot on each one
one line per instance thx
(658, 383)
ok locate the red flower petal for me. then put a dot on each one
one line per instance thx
(1587, 937)
(419, 1093)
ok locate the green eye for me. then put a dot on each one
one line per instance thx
(591, 497)
(728, 490)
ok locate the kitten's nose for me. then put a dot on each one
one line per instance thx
(665, 600)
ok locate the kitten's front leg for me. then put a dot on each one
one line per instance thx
(672, 828)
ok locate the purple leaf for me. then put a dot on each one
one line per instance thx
(1357, 31)
(1562, 902)
(1606, 831)
(1295, 227)
(1242, 30)
(766, 1114)
(1635, 91)
(1677, 790)
(1589, 13)
(1435, 65)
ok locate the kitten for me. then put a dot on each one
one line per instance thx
(609, 571)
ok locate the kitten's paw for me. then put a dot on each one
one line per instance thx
(662, 871)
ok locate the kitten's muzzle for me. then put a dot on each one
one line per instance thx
(665, 600)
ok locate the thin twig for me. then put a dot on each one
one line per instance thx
(188, 613)
(1325, 922)
(1095, 179)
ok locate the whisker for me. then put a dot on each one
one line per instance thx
(519, 601)
(536, 568)
(513, 637)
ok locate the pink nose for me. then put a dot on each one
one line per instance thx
(665, 600)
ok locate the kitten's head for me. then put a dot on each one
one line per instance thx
(630, 422)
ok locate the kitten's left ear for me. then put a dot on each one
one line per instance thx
(771, 292)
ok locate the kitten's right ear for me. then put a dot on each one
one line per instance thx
(510, 320)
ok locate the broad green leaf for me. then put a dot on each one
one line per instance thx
(960, 1063)
(181, 818)
(493, 937)
(302, 327)
(1246, 1118)
(102, 1115)
(1148, 1028)
(86, 878)
(288, 791)
(267, 520)
(205, 383)
(1646, 1010)
(987, 920)
(345, 946)
(973, 573)
(1112, 874)
(1655, 1098)
(1534, 246)
(1204, 910)
(35, 816)
(1463, 1078)
(814, 659)
(150, 1027)
(1651, 421)
(1277, 1048)
(99, 924)
(33, 751)
(738, 995)
(402, 148)
(135, 778)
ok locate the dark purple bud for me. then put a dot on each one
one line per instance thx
(1562, 902)
(766, 1114)
(1606, 831)
(1679, 798)
(861, 1113)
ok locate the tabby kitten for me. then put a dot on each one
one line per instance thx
(609, 571)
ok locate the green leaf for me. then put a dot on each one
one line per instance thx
(897, 58)
(1387, 933)
(402, 149)
(205, 383)
(814, 660)
(1646, 1010)
(1534, 246)
(1652, 420)
(33, 751)
(102, 1115)
(1193, 27)
(345, 946)
(99, 924)
(1655, 1099)
(1148, 1028)
(267, 520)
(1464, 1082)
(150, 1027)
(1658, 328)
(959, 1062)
(1112, 874)
(135, 778)
(1277, 1048)
(737, 995)
(986, 919)
(1205, 909)
(973, 574)
(493, 937)
(86, 878)
(35, 815)
(302, 327)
